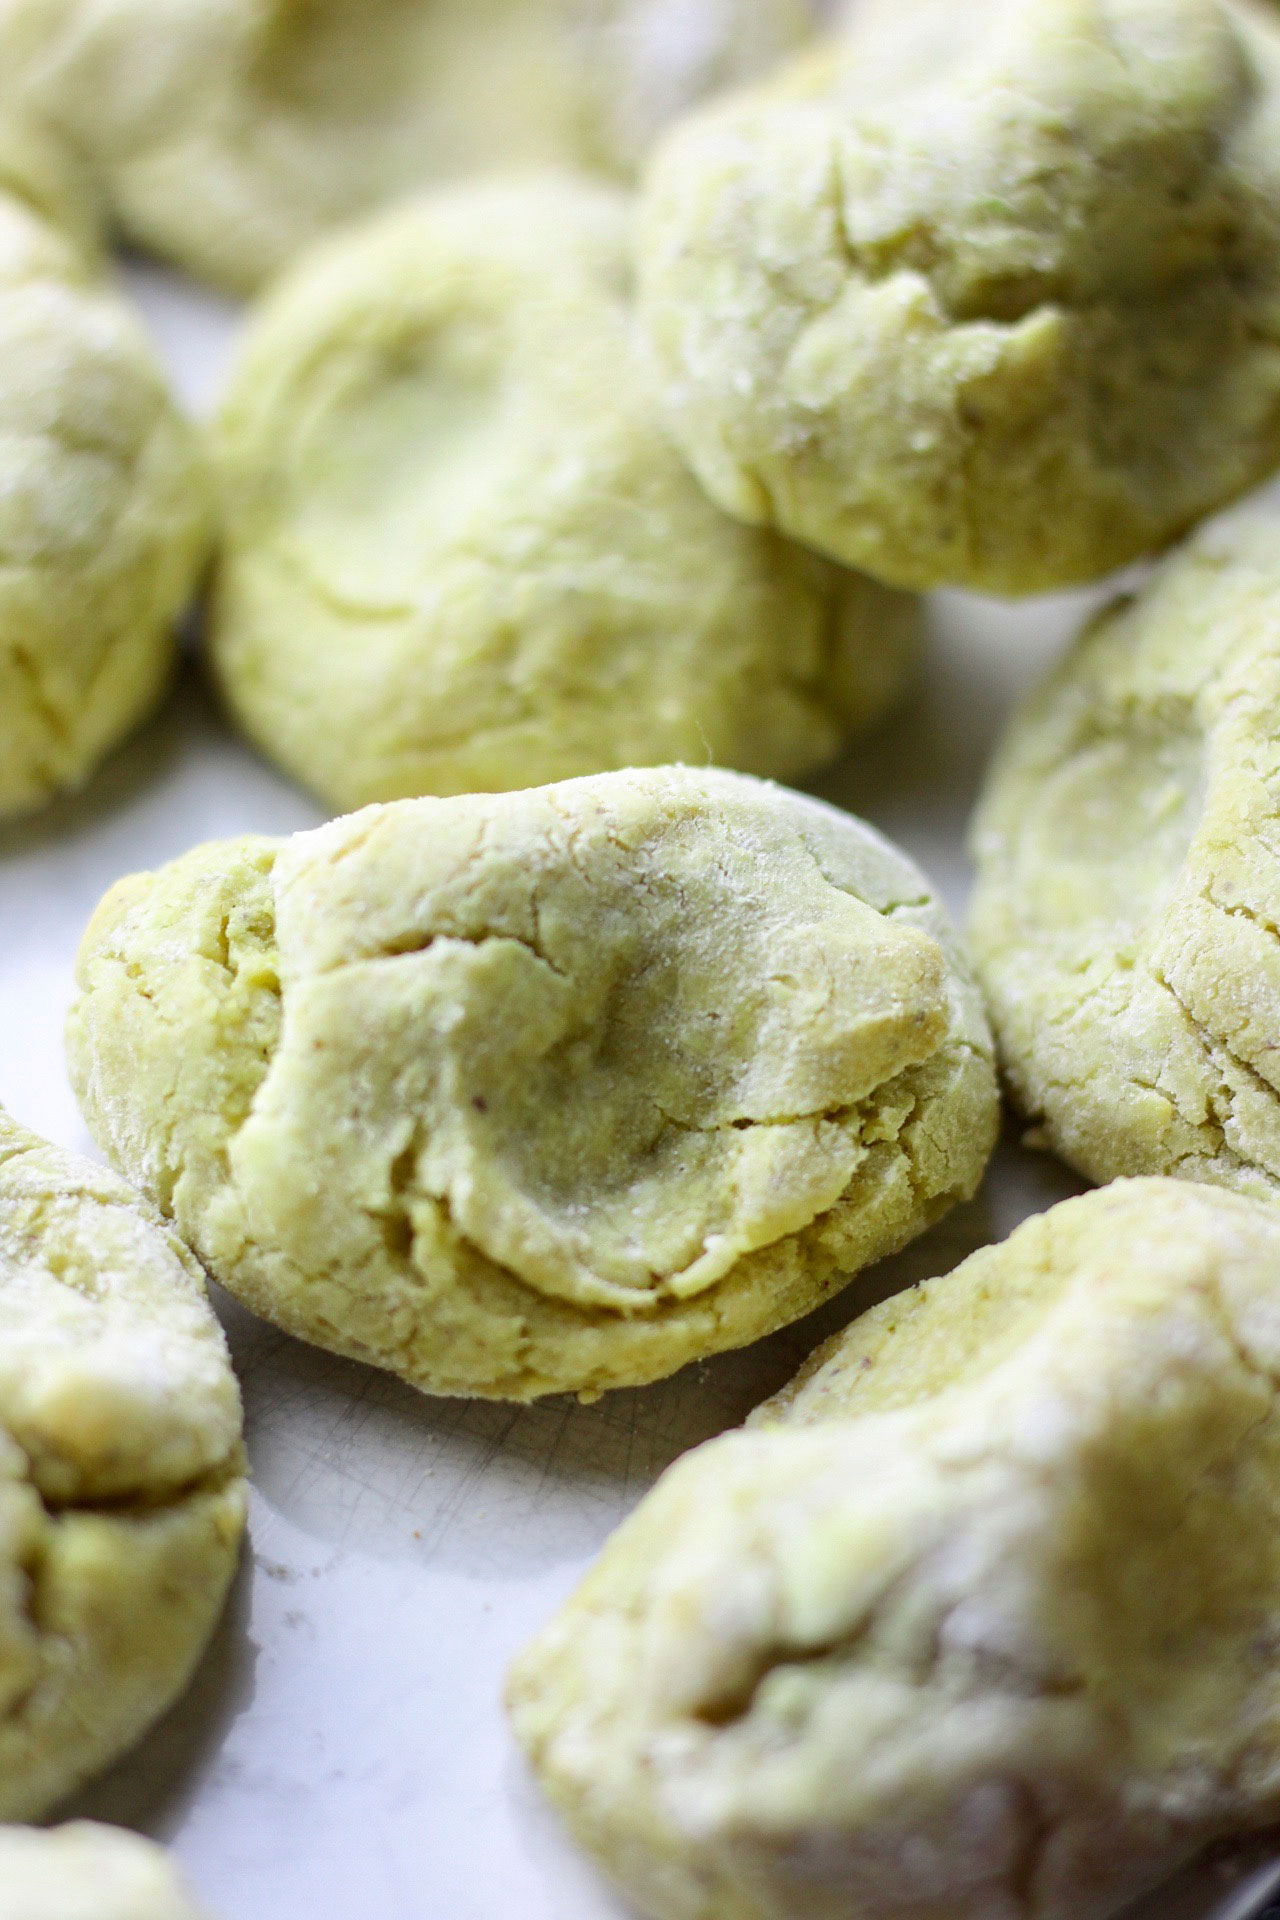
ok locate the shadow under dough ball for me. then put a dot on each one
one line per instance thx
(975, 1618)
(1128, 891)
(462, 553)
(981, 295)
(121, 1472)
(104, 507)
(83, 1871)
(228, 134)
(556, 1090)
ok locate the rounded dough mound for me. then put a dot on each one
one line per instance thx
(976, 1618)
(983, 294)
(121, 1490)
(1124, 921)
(87, 1872)
(104, 508)
(538, 1091)
(227, 134)
(462, 552)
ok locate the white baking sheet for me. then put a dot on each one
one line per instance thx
(342, 1753)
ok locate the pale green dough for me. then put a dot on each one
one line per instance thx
(121, 1471)
(462, 552)
(976, 1619)
(548, 1090)
(104, 508)
(84, 1871)
(227, 134)
(986, 294)
(1128, 897)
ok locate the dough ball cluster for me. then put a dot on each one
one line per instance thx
(984, 295)
(229, 134)
(978, 1617)
(84, 1871)
(104, 508)
(1124, 921)
(121, 1490)
(462, 552)
(545, 1090)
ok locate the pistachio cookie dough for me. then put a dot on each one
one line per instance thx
(84, 1871)
(121, 1489)
(550, 1090)
(104, 508)
(981, 295)
(977, 1618)
(462, 552)
(229, 134)
(1128, 894)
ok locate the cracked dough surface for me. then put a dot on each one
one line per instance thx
(976, 1619)
(1125, 917)
(121, 1489)
(227, 134)
(549, 1090)
(103, 511)
(982, 295)
(84, 1871)
(463, 553)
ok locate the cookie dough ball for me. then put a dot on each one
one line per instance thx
(121, 1490)
(87, 1872)
(986, 295)
(227, 134)
(103, 509)
(463, 553)
(978, 1618)
(549, 1090)
(1128, 882)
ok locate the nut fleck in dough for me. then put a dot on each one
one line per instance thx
(88, 1872)
(1124, 921)
(463, 553)
(987, 293)
(977, 1619)
(229, 133)
(549, 1090)
(121, 1497)
(103, 507)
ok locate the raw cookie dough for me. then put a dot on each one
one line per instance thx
(229, 133)
(462, 552)
(87, 1872)
(549, 1090)
(103, 508)
(977, 1619)
(1124, 920)
(121, 1490)
(983, 294)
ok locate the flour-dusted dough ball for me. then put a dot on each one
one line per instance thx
(462, 552)
(548, 1090)
(978, 1619)
(227, 134)
(103, 503)
(984, 294)
(88, 1872)
(121, 1490)
(1128, 896)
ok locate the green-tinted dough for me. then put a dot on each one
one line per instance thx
(977, 1619)
(1128, 899)
(227, 134)
(87, 1872)
(985, 294)
(103, 508)
(121, 1497)
(548, 1090)
(462, 552)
